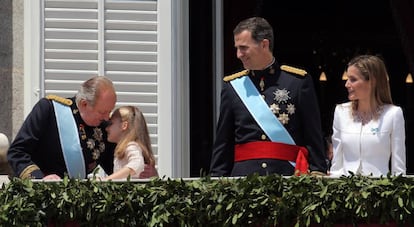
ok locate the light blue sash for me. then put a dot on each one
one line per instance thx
(69, 139)
(261, 111)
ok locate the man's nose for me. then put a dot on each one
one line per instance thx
(105, 124)
(239, 53)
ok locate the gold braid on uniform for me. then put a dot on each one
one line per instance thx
(59, 99)
(317, 174)
(293, 70)
(236, 75)
(27, 173)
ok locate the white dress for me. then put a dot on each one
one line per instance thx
(133, 159)
(371, 148)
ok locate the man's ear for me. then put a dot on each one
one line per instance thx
(265, 43)
(83, 102)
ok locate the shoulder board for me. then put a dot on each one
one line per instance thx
(236, 75)
(59, 99)
(294, 70)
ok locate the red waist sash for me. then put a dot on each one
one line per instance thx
(273, 150)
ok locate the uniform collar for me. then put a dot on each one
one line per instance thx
(271, 69)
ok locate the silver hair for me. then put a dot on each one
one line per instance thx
(91, 88)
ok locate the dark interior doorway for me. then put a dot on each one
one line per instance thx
(317, 36)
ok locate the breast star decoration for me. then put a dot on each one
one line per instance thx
(275, 108)
(97, 150)
(281, 95)
(94, 142)
(282, 108)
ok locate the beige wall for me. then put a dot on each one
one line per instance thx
(11, 66)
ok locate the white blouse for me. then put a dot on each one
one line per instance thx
(367, 149)
(133, 159)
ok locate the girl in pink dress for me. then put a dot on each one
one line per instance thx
(128, 129)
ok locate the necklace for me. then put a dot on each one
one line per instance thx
(365, 117)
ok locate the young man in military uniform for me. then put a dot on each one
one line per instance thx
(269, 116)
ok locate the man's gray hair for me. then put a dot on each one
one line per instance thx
(91, 89)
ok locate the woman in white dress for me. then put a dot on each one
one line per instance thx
(128, 129)
(369, 131)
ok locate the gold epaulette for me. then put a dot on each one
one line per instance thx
(236, 75)
(294, 70)
(59, 99)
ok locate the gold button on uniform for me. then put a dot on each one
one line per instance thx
(264, 165)
(264, 137)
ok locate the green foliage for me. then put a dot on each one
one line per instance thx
(249, 201)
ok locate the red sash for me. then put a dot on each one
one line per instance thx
(273, 150)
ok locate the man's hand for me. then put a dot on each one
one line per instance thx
(149, 171)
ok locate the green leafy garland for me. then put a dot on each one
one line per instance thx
(249, 201)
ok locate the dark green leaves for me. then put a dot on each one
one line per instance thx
(251, 201)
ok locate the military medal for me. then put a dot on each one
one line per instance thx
(290, 108)
(282, 108)
(281, 95)
(284, 118)
(275, 108)
(262, 84)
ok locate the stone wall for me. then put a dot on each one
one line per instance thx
(11, 66)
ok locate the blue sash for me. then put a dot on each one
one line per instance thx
(261, 111)
(69, 139)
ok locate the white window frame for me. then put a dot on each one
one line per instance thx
(173, 80)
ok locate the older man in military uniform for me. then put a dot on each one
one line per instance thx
(269, 117)
(64, 136)
(37, 150)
